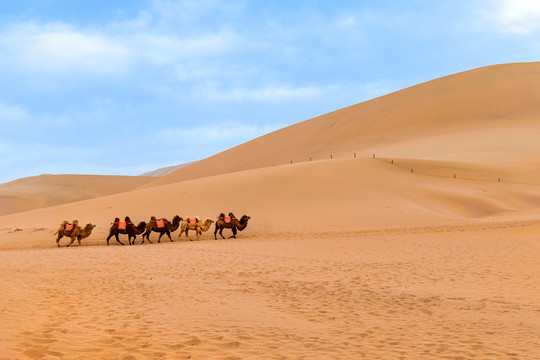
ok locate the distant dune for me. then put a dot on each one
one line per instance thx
(165, 170)
(49, 190)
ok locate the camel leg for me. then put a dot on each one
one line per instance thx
(58, 240)
(147, 237)
(221, 233)
(215, 232)
(169, 235)
(233, 233)
(117, 239)
(72, 240)
(79, 240)
(108, 238)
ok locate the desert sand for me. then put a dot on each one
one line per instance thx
(428, 250)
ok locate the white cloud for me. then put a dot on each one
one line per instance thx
(520, 17)
(32, 47)
(224, 132)
(12, 114)
(268, 93)
(113, 50)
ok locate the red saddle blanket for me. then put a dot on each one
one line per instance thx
(192, 221)
(68, 227)
(227, 219)
(160, 223)
(122, 225)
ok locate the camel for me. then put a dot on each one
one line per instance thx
(234, 224)
(199, 227)
(75, 233)
(130, 229)
(167, 228)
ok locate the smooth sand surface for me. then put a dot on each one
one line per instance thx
(430, 250)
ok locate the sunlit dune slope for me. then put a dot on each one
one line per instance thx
(323, 196)
(487, 115)
(49, 190)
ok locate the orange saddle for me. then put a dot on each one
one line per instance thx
(122, 225)
(192, 221)
(227, 219)
(68, 227)
(160, 223)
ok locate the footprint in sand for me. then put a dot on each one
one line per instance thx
(33, 354)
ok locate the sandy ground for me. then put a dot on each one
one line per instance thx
(449, 292)
(428, 251)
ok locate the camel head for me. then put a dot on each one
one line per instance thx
(176, 218)
(142, 224)
(88, 228)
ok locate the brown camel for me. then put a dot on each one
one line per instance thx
(127, 227)
(230, 222)
(162, 226)
(196, 225)
(75, 233)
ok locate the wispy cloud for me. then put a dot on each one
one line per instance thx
(225, 132)
(268, 93)
(12, 114)
(520, 17)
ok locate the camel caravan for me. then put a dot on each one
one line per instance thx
(162, 226)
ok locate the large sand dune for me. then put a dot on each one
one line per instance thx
(427, 251)
(488, 114)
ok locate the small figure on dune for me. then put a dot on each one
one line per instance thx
(230, 222)
(162, 226)
(125, 227)
(73, 231)
(193, 223)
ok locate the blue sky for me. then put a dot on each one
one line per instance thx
(125, 87)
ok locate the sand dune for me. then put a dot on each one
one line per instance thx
(49, 190)
(427, 251)
(480, 115)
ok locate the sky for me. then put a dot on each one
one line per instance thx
(122, 87)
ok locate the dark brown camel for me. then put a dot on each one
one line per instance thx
(75, 233)
(233, 224)
(167, 228)
(127, 228)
